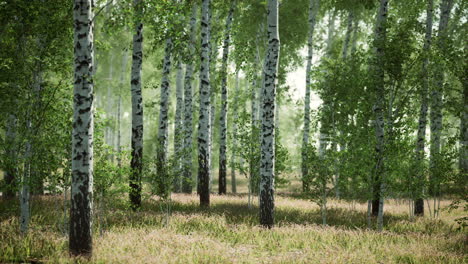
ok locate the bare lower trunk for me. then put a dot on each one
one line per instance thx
(421, 135)
(137, 111)
(224, 97)
(234, 135)
(267, 167)
(163, 127)
(187, 168)
(379, 89)
(205, 104)
(178, 129)
(83, 129)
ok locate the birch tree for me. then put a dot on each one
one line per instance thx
(178, 127)
(270, 71)
(234, 135)
(313, 10)
(422, 123)
(224, 96)
(83, 126)
(187, 168)
(204, 114)
(378, 108)
(436, 103)
(137, 109)
(163, 127)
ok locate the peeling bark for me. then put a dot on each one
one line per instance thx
(224, 96)
(267, 166)
(187, 169)
(83, 128)
(205, 105)
(137, 109)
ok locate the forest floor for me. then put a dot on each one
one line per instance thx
(228, 232)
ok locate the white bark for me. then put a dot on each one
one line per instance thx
(83, 129)
(163, 128)
(313, 10)
(187, 173)
(379, 88)
(234, 133)
(224, 103)
(436, 102)
(119, 106)
(421, 134)
(205, 104)
(178, 126)
(137, 110)
(267, 167)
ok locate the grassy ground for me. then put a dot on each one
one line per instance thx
(227, 232)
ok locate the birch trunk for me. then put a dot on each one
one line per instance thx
(234, 137)
(178, 127)
(421, 134)
(224, 96)
(25, 181)
(187, 169)
(313, 9)
(163, 128)
(119, 108)
(379, 89)
(204, 114)
(137, 109)
(463, 162)
(11, 172)
(83, 127)
(267, 166)
(436, 102)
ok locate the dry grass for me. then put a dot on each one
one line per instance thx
(227, 232)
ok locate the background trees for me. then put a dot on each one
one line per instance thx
(356, 130)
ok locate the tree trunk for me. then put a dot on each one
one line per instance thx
(313, 9)
(163, 129)
(421, 136)
(178, 128)
(11, 171)
(349, 29)
(224, 96)
(119, 108)
(379, 89)
(83, 128)
(26, 180)
(234, 135)
(187, 169)
(137, 110)
(267, 167)
(463, 162)
(204, 115)
(436, 102)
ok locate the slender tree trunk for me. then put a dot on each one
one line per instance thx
(224, 96)
(109, 139)
(26, 180)
(349, 31)
(163, 128)
(267, 167)
(234, 137)
(379, 89)
(204, 117)
(137, 109)
(178, 127)
(463, 162)
(83, 128)
(313, 9)
(421, 136)
(11, 171)
(436, 102)
(187, 169)
(119, 108)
